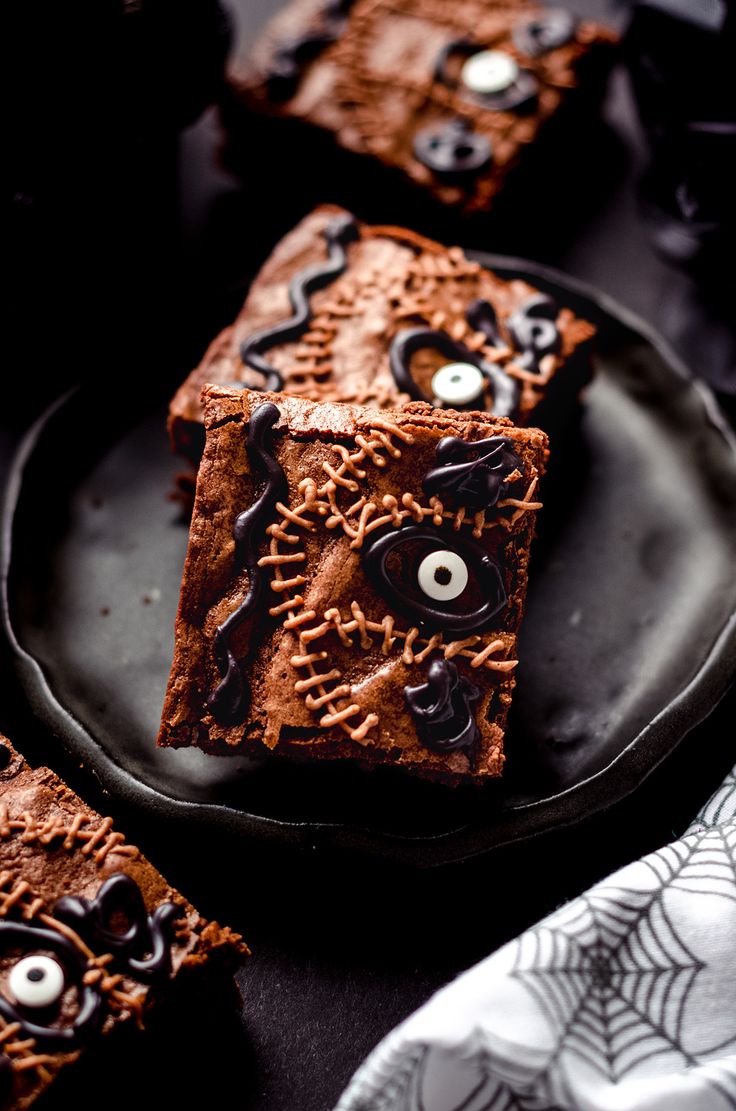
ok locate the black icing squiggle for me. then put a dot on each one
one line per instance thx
(290, 58)
(453, 151)
(534, 332)
(504, 389)
(143, 948)
(29, 938)
(340, 231)
(548, 30)
(442, 710)
(228, 701)
(474, 473)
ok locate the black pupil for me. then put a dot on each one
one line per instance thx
(442, 576)
(456, 378)
(35, 975)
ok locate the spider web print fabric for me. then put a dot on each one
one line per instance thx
(622, 1000)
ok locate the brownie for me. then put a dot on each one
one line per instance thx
(343, 311)
(446, 97)
(93, 941)
(354, 583)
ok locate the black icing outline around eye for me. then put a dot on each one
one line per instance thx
(90, 1014)
(520, 96)
(549, 30)
(481, 566)
(405, 343)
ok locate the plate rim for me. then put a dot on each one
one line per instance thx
(700, 695)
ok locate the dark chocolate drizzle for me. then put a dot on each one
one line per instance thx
(291, 57)
(453, 151)
(442, 710)
(481, 316)
(520, 96)
(340, 231)
(228, 701)
(547, 31)
(450, 618)
(406, 343)
(533, 331)
(472, 474)
(143, 948)
(36, 1024)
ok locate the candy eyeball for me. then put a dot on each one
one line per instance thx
(488, 72)
(457, 384)
(36, 981)
(442, 576)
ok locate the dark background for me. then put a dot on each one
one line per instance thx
(130, 246)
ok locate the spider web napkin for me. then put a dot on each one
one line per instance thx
(622, 1000)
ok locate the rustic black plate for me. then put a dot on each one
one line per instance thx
(628, 642)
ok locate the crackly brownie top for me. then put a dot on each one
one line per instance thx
(342, 558)
(450, 93)
(88, 928)
(343, 311)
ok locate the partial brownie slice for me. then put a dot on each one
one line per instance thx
(447, 97)
(354, 583)
(92, 938)
(343, 311)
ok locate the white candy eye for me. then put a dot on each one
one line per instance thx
(442, 576)
(457, 383)
(490, 71)
(36, 981)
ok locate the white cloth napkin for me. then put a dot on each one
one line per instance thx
(622, 1000)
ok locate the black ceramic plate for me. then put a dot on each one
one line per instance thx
(629, 638)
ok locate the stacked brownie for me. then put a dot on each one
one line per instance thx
(449, 98)
(343, 311)
(92, 938)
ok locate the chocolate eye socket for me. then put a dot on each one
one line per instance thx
(441, 582)
(36, 981)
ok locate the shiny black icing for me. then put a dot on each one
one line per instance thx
(341, 231)
(290, 58)
(548, 30)
(442, 709)
(471, 474)
(36, 1023)
(505, 390)
(427, 613)
(481, 316)
(533, 331)
(143, 948)
(228, 701)
(453, 151)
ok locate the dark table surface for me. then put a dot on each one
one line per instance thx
(343, 947)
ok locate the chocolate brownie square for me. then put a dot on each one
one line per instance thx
(343, 311)
(449, 98)
(354, 583)
(93, 940)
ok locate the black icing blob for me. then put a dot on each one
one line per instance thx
(36, 1024)
(228, 702)
(547, 31)
(339, 233)
(143, 947)
(504, 390)
(471, 474)
(455, 616)
(453, 151)
(290, 58)
(442, 709)
(533, 331)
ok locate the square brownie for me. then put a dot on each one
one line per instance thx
(448, 98)
(344, 311)
(93, 940)
(354, 583)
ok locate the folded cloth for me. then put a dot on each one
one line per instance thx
(622, 1000)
